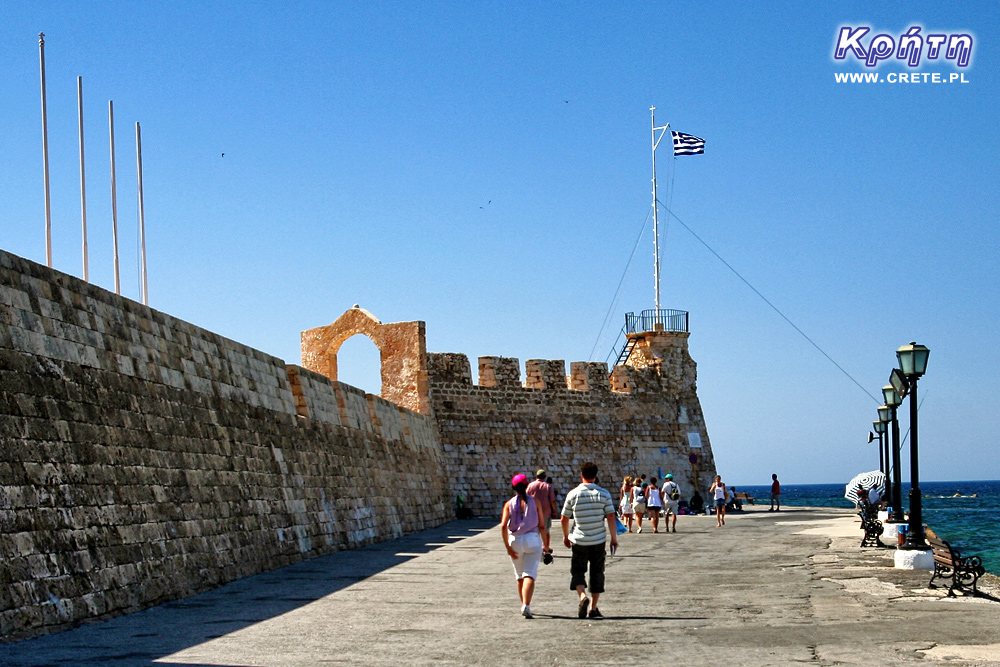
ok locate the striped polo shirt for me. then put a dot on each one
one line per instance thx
(588, 505)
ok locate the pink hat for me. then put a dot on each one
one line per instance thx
(518, 479)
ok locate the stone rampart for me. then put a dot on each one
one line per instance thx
(144, 459)
(644, 419)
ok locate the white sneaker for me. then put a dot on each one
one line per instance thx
(640, 529)
(526, 611)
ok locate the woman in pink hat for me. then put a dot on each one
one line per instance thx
(525, 537)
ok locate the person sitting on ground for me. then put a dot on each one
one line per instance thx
(736, 505)
(697, 503)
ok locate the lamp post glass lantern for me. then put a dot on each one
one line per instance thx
(882, 428)
(912, 360)
(879, 430)
(913, 364)
(892, 399)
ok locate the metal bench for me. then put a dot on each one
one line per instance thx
(950, 564)
(872, 526)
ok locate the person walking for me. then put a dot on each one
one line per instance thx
(628, 514)
(545, 500)
(654, 503)
(639, 499)
(525, 537)
(671, 496)
(718, 492)
(590, 507)
(775, 494)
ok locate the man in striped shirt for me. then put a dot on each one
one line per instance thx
(590, 507)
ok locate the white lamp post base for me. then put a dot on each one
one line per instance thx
(914, 559)
(890, 532)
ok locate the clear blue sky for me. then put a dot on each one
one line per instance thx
(484, 167)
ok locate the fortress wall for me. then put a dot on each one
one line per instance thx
(143, 459)
(491, 431)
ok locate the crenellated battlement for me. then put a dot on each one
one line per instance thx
(641, 416)
(505, 373)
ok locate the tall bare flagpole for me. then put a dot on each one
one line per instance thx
(114, 198)
(45, 154)
(142, 216)
(654, 141)
(83, 177)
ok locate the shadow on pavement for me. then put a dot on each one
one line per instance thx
(141, 638)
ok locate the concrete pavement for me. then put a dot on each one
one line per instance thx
(767, 589)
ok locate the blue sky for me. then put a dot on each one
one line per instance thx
(484, 167)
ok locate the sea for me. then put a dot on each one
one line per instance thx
(964, 514)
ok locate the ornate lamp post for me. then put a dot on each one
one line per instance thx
(881, 428)
(913, 364)
(871, 438)
(888, 411)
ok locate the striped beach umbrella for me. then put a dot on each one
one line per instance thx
(874, 478)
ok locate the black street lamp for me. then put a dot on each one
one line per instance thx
(913, 364)
(888, 412)
(871, 438)
(881, 428)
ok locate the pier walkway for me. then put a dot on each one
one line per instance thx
(767, 589)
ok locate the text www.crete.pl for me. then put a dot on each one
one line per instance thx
(900, 77)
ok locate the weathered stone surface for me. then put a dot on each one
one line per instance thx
(402, 346)
(143, 459)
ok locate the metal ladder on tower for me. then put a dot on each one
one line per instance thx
(626, 351)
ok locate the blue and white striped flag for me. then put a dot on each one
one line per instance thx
(687, 144)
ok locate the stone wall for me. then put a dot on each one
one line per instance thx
(143, 459)
(650, 423)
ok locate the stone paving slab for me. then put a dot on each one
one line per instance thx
(766, 589)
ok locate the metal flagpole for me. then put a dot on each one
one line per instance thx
(83, 177)
(114, 199)
(656, 226)
(45, 154)
(142, 217)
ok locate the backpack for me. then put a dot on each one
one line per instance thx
(675, 493)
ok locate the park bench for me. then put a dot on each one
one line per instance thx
(744, 497)
(872, 526)
(949, 564)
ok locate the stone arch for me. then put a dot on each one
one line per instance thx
(402, 349)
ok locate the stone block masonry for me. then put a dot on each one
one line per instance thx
(143, 459)
(501, 427)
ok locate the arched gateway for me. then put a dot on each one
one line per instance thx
(402, 347)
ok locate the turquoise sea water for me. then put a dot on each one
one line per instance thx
(971, 525)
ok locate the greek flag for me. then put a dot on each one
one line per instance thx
(687, 144)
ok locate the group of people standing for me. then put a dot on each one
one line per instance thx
(640, 497)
